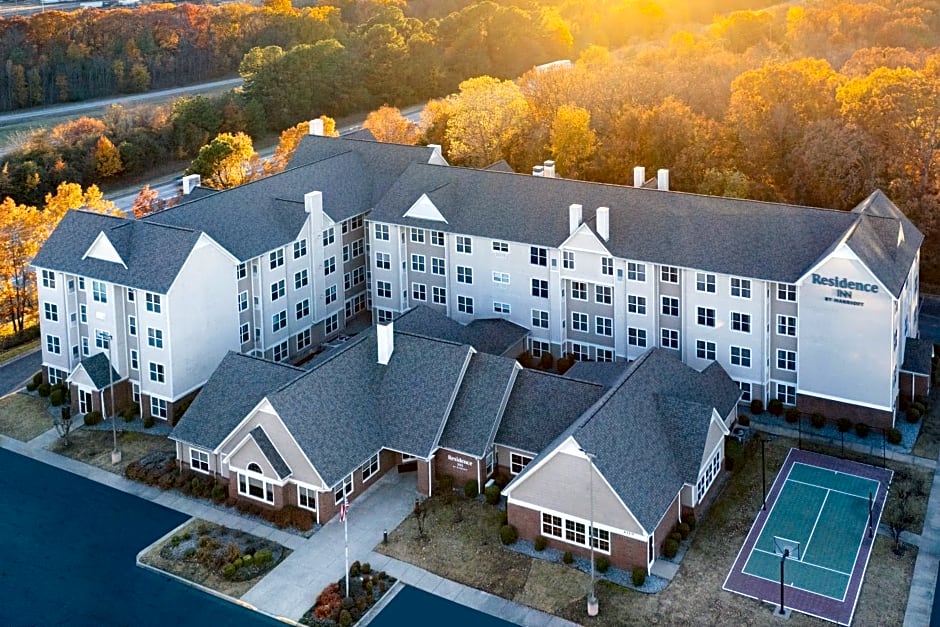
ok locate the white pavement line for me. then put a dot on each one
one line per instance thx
(822, 506)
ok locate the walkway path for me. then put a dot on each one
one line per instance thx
(920, 600)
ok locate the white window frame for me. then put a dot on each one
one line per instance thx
(669, 338)
(276, 258)
(249, 479)
(159, 408)
(199, 461)
(99, 291)
(788, 360)
(705, 282)
(381, 232)
(580, 322)
(307, 494)
(500, 247)
(740, 288)
(518, 462)
(670, 304)
(603, 326)
(704, 316)
(636, 337)
(636, 304)
(706, 349)
(669, 274)
(346, 487)
(371, 467)
(153, 302)
(786, 293)
(464, 245)
(740, 356)
(740, 322)
(787, 324)
(636, 272)
(157, 372)
(540, 319)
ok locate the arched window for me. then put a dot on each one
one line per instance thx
(253, 467)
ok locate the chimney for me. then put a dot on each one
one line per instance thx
(662, 180)
(190, 183)
(549, 169)
(385, 335)
(574, 218)
(313, 202)
(603, 222)
(639, 176)
(538, 170)
(316, 127)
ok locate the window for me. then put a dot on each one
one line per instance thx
(359, 275)
(57, 376)
(355, 223)
(329, 266)
(705, 282)
(437, 238)
(636, 337)
(158, 407)
(636, 305)
(670, 306)
(786, 325)
(331, 324)
(575, 532)
(669, 338)
(706, 316)
(329, 296)
(300, 248)
(540, 288)
(603, 294)
(539, 319)
(243, 301)
(439, 295)
(304, 339)
(53, 345)
(600, 538)
(740, 322)
(241, 271)
(786, 394)
(786, 360)
(539, 348)
(135, 362)
(383, 261)
(306, 497)
(417, 263)
(85, 346)
(254, 487)
(580, 352)
(48, 279)
(578, 290)
(740, 288)
(419, 291)
(705, 349)
(153, 303)
(199, 460)
(607, 266)
(357, 247)
(501, 278)
(464, 274)
(344, 490)
(636, 272)
(500, 247)
(277, 289)
(745, 387)
(279, 321)
(51, 312)
(740, 356)
(83, 313)
(501, 308)
(551, 525)
(381, 232)
(102, 340)
(605, 354)
(383, 315)
(276, 258)
(154, 337)
(786, 292)
(568, 260)
(579, 321)
(538, 256)
(464, 245)
(280, 351)
(708, 476)
(417, 235)
(372, 464)
(517, 462)
(131, 295)
(302, 309)
(669, 274)
(244, 331)
(81, 283)
(465, 304)
(383, 289)
(300, 279)
(99, 291)
(437, 266)
(157, 372)
(603, 326)
(329, 236)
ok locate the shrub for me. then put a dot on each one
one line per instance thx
(540, 543)
(93, 418)
(128, 416)
(844, 425)
(301, 518)
(492, 494)
(501, 479)
(471, 489)
(508, 534)
(744, 420)
(923, 400)
(894, 436)
(37, 378)
(684, 530)
(218, 493)
(817, 420)
(757, 406)
(690, 521)
(919, 407)
(366, 568)
(31, 387)
(912, 415)
(601, 563)
(564, 363)
(639, 576)
(238, 563)
(670, 548)
(345, 618)
(775, 407)
(228, 571)
(247, 560)
(734, 454)
(263, 556)
(792, 415)
(567, 557)
(355, 569)
(862, 429)
(148, 421)
(445, 484)
(675, 535)
(56, 397)
(44, 389)
(546, 361)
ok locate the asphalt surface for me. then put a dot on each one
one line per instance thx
(930, 318)
(13, 374)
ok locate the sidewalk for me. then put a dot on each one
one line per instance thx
(920, 600)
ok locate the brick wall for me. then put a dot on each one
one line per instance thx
(666, 524)
(833, 410)
(280, 494)
(910, 385)
(423, 486)
(451, 463)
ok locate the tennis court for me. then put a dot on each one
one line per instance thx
(821, 513)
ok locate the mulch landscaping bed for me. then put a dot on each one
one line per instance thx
(365, 589)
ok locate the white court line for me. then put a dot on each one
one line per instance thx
(815, 524)
(822, 487)
(810, 564)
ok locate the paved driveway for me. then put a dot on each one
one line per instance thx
(14, 373)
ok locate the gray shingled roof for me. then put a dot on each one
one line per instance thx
(605, 373)
(235, 387)
(477, 411)
(153, 254)
(725, 235)
(487, 335)
(99, 369)
(541, 406)
(875, 240)
(270, 452)
(918, 356)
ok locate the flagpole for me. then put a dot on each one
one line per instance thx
(346, 538)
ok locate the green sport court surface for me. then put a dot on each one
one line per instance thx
(819, 508)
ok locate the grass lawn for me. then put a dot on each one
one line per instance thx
(928, 442)
(94, 447)
(23, 417)
(16, 351)
(457, 551)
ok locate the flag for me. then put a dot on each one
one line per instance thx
(342, 511)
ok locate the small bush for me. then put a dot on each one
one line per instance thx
(862, 430)
(744, 420)
(675, 535)
(228, 571)
(684, 530)
(564, 363)
(31, 387)
(37, 379)
(127, 416)
(148, 421)
(501, 479)
(540, 543)
(567, 557)
(471, 489)
(690, 521)
(218, 493)
(923, 400)
(757, 406)
(262, 557)
(670, 548)
(366, 568)
(508, 534)
(56, 397)
(492, 494)
(93, 418)
(844, 425)
(912, 415)
(355, 569)
(817, 420)
(792, 415)
(345, 618)
(919, 407)
(546, 361)
(238, 563)
(894, 436)
(639, 576)
(503, 518)
(44, 389)
(775, 407)
(601, 563)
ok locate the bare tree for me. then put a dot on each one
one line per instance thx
(63, 425)
(899, 510)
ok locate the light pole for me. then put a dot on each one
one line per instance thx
(592, 604)
(116, 453)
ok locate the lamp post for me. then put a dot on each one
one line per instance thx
(592, 604)
(116, 453)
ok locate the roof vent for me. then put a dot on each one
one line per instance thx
(538, 170)
(662, 180)
(603, 222)
(639, 176)
(574, 218)
(385, 336)
(316, 127)
(549, 171)
(190, 183)
(313, 202)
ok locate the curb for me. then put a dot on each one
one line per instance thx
(369, 616)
